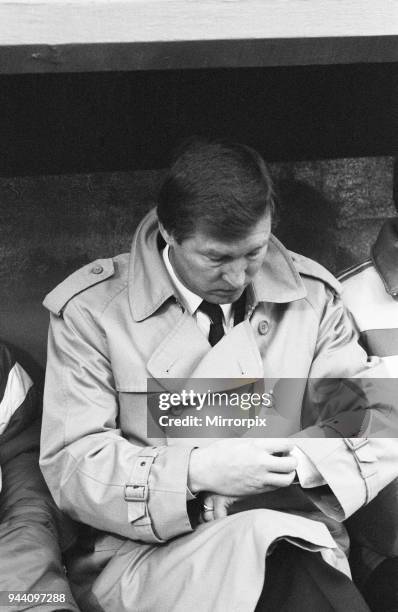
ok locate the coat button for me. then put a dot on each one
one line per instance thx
(97, 269)
(263, 328)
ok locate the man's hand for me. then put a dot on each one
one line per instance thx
(240, 467)
(215, 506)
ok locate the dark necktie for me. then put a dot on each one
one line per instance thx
(215, 314)
(240, 309)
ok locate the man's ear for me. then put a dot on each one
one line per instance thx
(167, 237)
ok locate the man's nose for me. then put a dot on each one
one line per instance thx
(235, 275)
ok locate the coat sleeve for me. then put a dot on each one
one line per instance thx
(351, 411)
(95, 474)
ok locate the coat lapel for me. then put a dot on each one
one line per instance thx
(179, 353)
(185, 354)
(236, 355)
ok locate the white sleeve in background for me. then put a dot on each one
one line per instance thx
(18, 385)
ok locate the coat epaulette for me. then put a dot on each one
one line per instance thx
(353, 270)
(91, 274)
(309, 267)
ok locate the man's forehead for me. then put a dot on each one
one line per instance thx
(256, 237)
(218, 247)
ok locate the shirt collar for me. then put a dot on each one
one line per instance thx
(190, 299)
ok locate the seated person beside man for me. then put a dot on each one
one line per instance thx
(30, 522)
(370, 292)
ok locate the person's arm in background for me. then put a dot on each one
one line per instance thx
(355, 457)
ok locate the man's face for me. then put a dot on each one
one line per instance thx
(219, 271)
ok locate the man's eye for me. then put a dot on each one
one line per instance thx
(254, 254)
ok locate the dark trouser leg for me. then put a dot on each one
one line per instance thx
(381, 588)
(30, 556)
(298, 581)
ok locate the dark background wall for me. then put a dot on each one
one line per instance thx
(81, 158)
(58, 123)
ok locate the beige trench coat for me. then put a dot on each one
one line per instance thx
(117, 322)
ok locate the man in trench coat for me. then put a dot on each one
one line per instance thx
(117, 323)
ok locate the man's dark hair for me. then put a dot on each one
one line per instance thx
(218, 188)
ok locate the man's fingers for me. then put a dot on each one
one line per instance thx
(215, 507)
(208, 516)
(275, 445)
(220, 507)
(281, 464)
(208, 501)
(208, 508)
(279, 480)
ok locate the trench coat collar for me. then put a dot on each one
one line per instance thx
(150, 285)
(385, 255)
